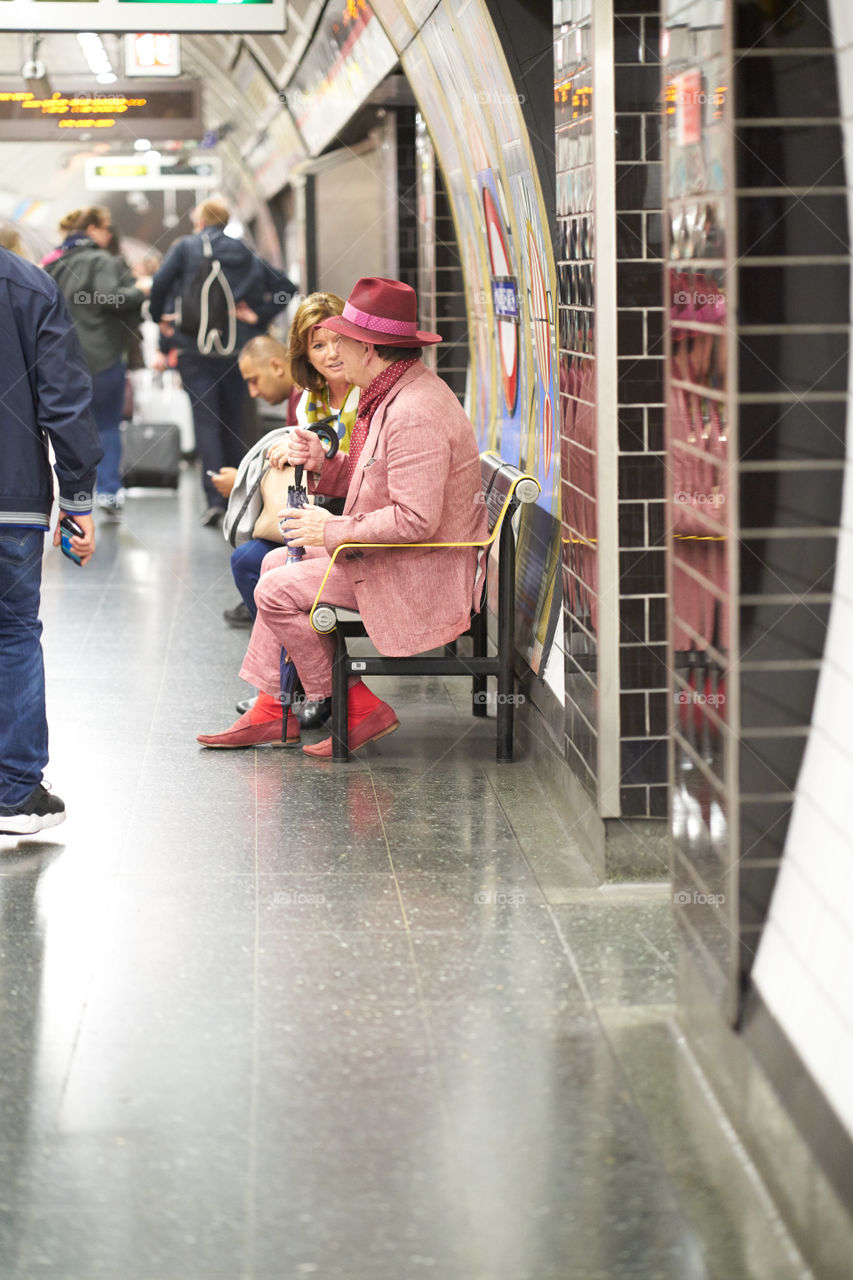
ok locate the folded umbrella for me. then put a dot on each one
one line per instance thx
(297, 496)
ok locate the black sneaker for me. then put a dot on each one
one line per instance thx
(212, 517)
(39, 810)
(239, 616)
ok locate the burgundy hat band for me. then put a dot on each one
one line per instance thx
(402, 328)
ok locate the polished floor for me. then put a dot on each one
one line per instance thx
(263, 1017)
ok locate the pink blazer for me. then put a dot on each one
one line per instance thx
(417, 480)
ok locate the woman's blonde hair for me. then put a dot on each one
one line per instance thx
(94, 215)
(311, 311)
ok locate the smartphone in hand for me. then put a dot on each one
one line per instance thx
(69, 529)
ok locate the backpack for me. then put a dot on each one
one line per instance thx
(206, 309)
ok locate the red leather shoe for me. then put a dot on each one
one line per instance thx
(245, 734)
(376, 724)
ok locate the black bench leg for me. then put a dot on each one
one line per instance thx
(340, 691)
(479, 684)
(506, 698)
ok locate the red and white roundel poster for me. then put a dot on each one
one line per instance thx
(507, 328)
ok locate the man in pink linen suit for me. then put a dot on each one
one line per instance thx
(412, 475)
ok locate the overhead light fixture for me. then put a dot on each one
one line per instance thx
(97, 57)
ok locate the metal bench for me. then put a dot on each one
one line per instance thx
(504, 487)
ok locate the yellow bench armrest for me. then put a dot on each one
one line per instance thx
(483, 544)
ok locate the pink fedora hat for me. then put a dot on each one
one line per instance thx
(383, 312)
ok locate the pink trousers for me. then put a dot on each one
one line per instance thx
(284, 596)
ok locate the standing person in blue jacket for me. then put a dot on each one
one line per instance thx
(45, 399)
(214, 382)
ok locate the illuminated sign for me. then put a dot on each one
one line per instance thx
(140, 15)
(152, 172)
(152, 53)
(125, 111)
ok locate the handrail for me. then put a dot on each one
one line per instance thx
(483, 544)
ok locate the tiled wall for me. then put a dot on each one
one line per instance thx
(440, 282)
(451, 316)
(407, 197)
(759, 461)
(576, 336)
(754, 465)
(631, 43)
(644, 704)
(701, 519)
(794, 338)
(806, 954)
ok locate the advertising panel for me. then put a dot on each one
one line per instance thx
(347, 58)
(480, 137)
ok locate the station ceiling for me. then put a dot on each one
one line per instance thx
(40, 181)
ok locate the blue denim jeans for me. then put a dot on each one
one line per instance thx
(23, 720)
(107, 406)
(246, 563)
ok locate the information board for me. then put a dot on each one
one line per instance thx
(124, 111)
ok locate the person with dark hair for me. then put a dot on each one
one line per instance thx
(214, 382)
(105, 302)
(412, 474)
(46, 391)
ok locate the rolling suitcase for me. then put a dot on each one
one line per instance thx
(150, 455)
(159, 397)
